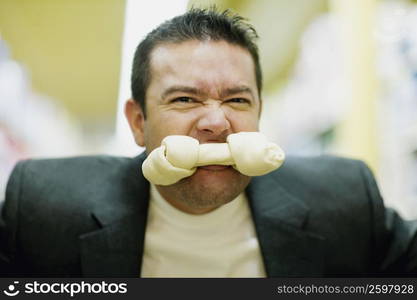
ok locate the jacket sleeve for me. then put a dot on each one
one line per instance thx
(394, 239)
(9, 223)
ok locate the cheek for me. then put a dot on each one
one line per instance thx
(167, 123)
(175, 122)
(244, 121)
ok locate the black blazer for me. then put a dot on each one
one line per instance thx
(86, 216)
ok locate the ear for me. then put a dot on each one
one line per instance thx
(136, 120)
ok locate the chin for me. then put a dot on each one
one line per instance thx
(223, 185)
(208, 188)
(215, 176)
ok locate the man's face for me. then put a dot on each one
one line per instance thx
(206, 90)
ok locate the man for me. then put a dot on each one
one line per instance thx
(199, 75)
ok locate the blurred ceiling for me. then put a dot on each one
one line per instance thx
(71, 49)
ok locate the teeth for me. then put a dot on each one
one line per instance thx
(248, 152)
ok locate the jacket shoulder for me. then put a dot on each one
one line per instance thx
(72, 165)
(333, 188)
(324, 164)
(50, 203)
(322, 172)
(67, 183)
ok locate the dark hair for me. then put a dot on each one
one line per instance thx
(196, 24)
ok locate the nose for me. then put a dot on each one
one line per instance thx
(213, 122)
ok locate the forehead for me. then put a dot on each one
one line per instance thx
(203, 64)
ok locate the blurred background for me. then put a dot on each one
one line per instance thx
(340, 78)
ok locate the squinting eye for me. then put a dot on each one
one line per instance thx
(183, 100)
(238, 100)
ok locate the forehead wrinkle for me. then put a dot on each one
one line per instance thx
(203, 90)
(213, 84)
(221, 89)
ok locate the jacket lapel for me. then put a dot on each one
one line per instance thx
(116, 248)
(287, 248)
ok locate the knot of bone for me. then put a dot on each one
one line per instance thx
(178, 157)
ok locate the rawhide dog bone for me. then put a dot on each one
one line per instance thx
(178, 156)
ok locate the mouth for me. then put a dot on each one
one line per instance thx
(215, 168)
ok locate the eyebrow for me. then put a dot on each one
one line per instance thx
(192, 90)
(183, 89)
(236, 90)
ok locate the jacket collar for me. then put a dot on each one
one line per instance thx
(280, 218)
(116, 249)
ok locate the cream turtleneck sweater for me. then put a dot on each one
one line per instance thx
(221, 243)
